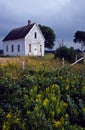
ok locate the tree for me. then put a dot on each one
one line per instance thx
(49, 36)
(67, 53)
(79, 36)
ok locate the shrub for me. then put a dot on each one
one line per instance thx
(43, 99)
(68, 53)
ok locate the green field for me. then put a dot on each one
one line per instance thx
(39, 93)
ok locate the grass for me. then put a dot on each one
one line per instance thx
(45, 98)
(79, 66)
(48, 62)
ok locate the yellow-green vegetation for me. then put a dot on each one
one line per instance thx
(38, 63)
(42, 95)
(48, 61)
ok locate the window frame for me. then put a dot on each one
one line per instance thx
(7, 48)
(30, 48)
(35, 35)
(12, 48)
(40, 48)
(18, 48)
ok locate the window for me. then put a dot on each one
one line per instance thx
(35, 35)
(12, 48)
(18, 48)
(6, 47)
(40, 48)
(29, 47)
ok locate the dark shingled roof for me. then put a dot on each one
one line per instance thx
(18, 33)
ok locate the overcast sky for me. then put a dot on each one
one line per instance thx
(65, 17)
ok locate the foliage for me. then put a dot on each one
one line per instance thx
(80, 37)
(49, 36)
(41, 99)
(67, 53)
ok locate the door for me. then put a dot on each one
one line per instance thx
(35, 51)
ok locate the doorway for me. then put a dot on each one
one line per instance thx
(35, 51)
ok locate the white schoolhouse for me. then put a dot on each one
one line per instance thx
(26, 40)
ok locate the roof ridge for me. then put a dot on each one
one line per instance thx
(23, 26)
(18, 33)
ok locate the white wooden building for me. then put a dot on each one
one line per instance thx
(26, 40)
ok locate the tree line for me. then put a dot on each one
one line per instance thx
(50, 37)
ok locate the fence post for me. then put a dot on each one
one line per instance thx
(63, 61)
(76, 58)
(23, 65)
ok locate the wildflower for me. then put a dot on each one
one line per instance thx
(52, 113)
(36, 109)
(57, 124)
(58, 91)
(26, 96)
(45, 102)
(67, 87)
(58, 111)
(53, 86)
(60, 77)
(4, 126)
(66, 115)
(83, 90)
(8, 115)
(53, 98)
(62, 120)
(35, 88)
(38, 98)
(28, 113)
(83, 110)
(67, 80)
(65, 104)
(37, 114)
(16, 120)
(47, 89)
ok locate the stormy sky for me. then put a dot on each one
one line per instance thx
(65, 17)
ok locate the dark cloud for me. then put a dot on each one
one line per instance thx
(65, 17)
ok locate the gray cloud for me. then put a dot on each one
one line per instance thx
(64, 16)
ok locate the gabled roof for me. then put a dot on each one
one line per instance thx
(18, 33)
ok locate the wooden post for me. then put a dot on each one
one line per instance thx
(77, 61)
(76, 58)
(23, 65)
(63, 61)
